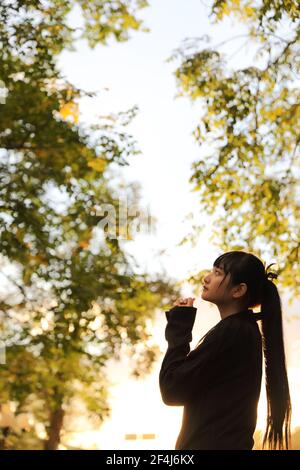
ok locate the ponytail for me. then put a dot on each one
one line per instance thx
(278, 433)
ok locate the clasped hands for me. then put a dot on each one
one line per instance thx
(184, 302)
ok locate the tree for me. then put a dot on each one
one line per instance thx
(247, 172)
(74, 299)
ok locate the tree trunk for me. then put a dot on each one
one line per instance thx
(56, 422)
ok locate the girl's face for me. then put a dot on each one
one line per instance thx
(211, 282)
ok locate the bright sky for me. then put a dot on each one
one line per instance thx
(132, 73)
(136, 72)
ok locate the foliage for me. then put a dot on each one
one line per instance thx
(247, 171)
(74, 297)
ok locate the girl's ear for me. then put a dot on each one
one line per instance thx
(240, 290)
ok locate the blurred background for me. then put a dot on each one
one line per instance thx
(138, 141)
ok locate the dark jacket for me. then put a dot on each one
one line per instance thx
(218, 382)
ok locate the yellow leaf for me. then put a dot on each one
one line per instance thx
(98, 164)
(70, 110)
(83, 243)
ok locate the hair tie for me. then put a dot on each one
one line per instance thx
(270, 274)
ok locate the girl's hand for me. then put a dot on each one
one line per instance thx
(187, 302)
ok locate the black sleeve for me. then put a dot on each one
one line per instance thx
(183, 372)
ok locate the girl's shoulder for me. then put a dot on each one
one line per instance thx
(232, 330)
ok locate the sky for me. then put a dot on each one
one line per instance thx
(136, 73)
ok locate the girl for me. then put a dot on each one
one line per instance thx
(219, 382)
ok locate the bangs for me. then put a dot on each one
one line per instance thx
(225, 262)
(230, 262)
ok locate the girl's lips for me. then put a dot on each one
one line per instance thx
(205, 288)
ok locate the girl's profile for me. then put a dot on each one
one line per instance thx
(218, 382)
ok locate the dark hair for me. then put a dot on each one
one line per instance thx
(261, 291)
